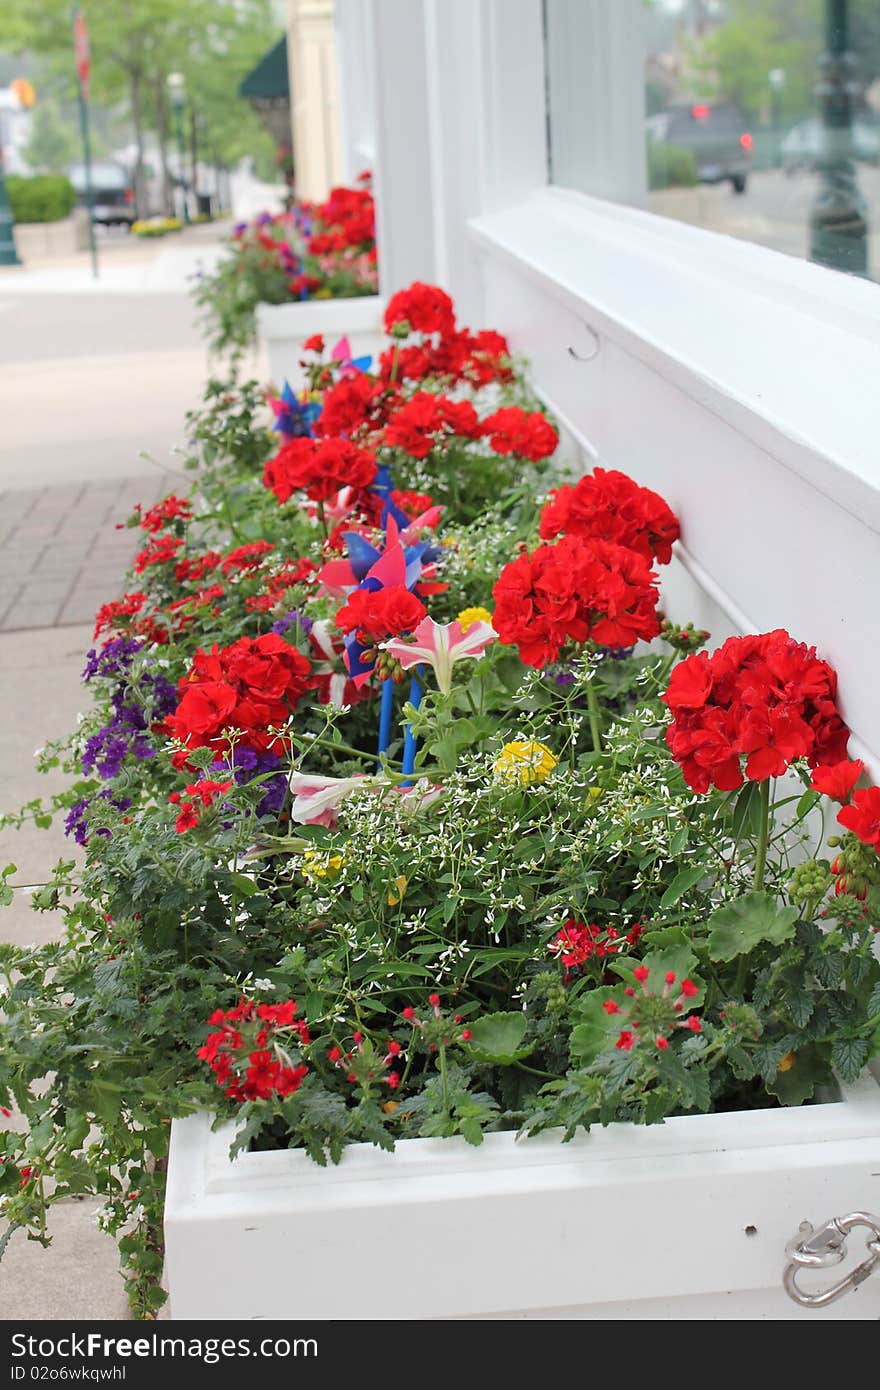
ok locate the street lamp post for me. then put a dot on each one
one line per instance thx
(838, 218)
(8, 253)
(177, 92)
(776, 79)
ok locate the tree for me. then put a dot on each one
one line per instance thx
(54, 143)
(136, 43)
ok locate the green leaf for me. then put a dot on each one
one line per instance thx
(684, 879)
(680, 960)
(848, 1056)
(806, 804)
(678, 842)
(498, 1037)
(471, 1131)
(742, 925)
(742, 811)
(595, 1029)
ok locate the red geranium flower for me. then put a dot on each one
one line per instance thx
(766, 697)
(318, 467)
(422, 421)
(609, 506)
(528, 433)
(251, 686)
(575, 590)
(837, 779)
(862, 817)
(425, 308)
(377, 614)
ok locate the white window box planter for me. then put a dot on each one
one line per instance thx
(284, 327)
(686, 1220)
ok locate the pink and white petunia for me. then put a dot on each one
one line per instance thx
(316, 800)
(440, 645)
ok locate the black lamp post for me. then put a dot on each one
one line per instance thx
(8, 253)
(838, 218)
(177, 92)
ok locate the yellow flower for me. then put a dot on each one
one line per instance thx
(400, 885)
(524, 763)
(788, 1061)
(320, 866)
(595, 793)
(321, 294)
(468, 616)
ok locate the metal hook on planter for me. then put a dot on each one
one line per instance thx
(819, 1249)
(578, 357)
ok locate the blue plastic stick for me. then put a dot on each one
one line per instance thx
(385, 717)
(410, 742)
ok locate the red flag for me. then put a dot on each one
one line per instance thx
(81, 48)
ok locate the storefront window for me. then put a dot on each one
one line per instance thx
(761, 119)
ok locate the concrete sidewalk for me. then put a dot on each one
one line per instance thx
(77, 1277)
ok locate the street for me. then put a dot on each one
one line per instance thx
(774, 211)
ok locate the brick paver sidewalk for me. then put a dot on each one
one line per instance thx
(61, 555)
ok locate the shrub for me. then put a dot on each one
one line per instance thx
(43, 198)
(670, 166)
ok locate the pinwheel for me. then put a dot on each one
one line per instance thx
(294, 415)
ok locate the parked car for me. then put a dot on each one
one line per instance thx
(715, 133)
(112, 192)
(802, 146)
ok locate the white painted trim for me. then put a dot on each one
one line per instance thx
(796, 372)
(519, 1228)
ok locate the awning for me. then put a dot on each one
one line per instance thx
(269, 81)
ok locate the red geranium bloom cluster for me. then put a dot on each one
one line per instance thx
(609, 506)
(576, 590)
(251, 686)
(579, 943)
(277, 585)
(377, 614)
(241, 1052)
(527, 433)
(354, 405)
(202, 795)
(108, 615)
(346, 220)
(318, 467)
(767, 698)
(443, 351)
(160, 552)
(171, 508)
(246, 556)
(425, 420)
(422, 309)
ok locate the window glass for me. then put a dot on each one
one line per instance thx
(763, 122)
(755, 118)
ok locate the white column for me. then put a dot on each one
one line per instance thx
(442, 154)
(311, 54)
(356, 102)
(403, 180)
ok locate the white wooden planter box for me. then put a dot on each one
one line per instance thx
(284, 327)
(686, 1220)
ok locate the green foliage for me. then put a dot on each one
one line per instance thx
(472, 953)
(670, 166)
(42, 198)
(54, 143)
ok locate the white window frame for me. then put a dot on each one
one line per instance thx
(738, 381)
